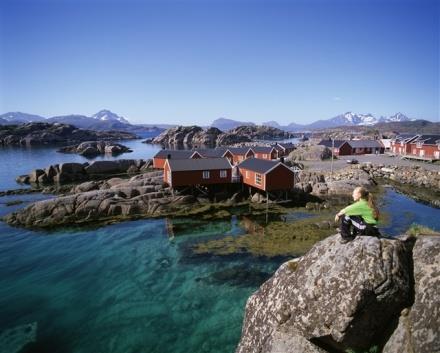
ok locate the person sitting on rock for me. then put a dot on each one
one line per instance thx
(360, 218)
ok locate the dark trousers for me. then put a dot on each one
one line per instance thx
(355, 225)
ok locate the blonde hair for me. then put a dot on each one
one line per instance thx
(368, 196)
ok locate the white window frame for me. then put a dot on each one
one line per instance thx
(223, 173)
(419, 144)
(206, 174)
(257, 175)
(247, 174)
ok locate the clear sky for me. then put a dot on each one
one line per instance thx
(191, 62)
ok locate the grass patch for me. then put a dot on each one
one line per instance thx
(418, 229)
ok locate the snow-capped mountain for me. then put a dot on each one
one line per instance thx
(394, 118)
(20, 118)
(107, 115)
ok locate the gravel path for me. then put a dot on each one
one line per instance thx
(375, 159)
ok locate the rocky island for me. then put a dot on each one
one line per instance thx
(197, 136)
(94, 148)
(39, 133)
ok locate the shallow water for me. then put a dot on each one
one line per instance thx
(136, 286)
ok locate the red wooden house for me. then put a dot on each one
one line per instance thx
(425, 147)
(266, 175)
(161, 156)
(263, 152)
(286, 148)
(336, 145)
(239, 154)
(197, 171)
(353, 147)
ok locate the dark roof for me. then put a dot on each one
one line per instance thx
(262, 149)
(175, 154)
(239, 150)
(405, 137)
(365, 144)
(259, 165)
(278, 147)
(179, 165)
(286, 144)
(328, 143)
(428, 139)
(211, 152)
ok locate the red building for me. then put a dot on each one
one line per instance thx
(263, 152)
(353, 147)
(285, 148)
(239, 154)
(401, 144)
(197, 171)
(425, 147)
(161, 156)
(266, 175)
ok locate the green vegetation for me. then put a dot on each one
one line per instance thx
(417, 229)
(276, 238)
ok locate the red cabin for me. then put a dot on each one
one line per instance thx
(198, 171)
(266, 175)
(239, 154)
(263, 152)
(425, 147)
(161, 156)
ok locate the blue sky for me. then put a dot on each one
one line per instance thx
(191, 62)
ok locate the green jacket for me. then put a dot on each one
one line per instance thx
(360, 208)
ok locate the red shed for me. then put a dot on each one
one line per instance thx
(263, 152)
(425, 147)
(266, 175)
(239, 154)
(161, 156)
(198, 171)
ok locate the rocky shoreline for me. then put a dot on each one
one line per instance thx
(96, 195)
(32, 134)
(371, 293)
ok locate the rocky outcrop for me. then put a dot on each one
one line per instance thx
(188, 135)
(251, 133)
(74, 172)
(348, 296)
(310, 153)
(419, 325)
(196, 136)
(142, 195)
(51, 134)
(94, 148)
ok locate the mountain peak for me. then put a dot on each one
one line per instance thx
(107, 115)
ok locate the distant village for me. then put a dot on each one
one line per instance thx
(264, 167)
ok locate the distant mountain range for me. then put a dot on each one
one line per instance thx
(347, 119)
(107, 120)
(102, 120)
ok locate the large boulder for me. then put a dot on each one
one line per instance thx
(418, 330)
(110, 167)
(340, 296)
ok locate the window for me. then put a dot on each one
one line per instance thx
(247, 174)
(206, 174)
(223, 174)
(419, 144)
(265, 156)
(258, 179)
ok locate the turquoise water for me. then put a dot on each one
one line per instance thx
(136, 286)
(125, 288)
